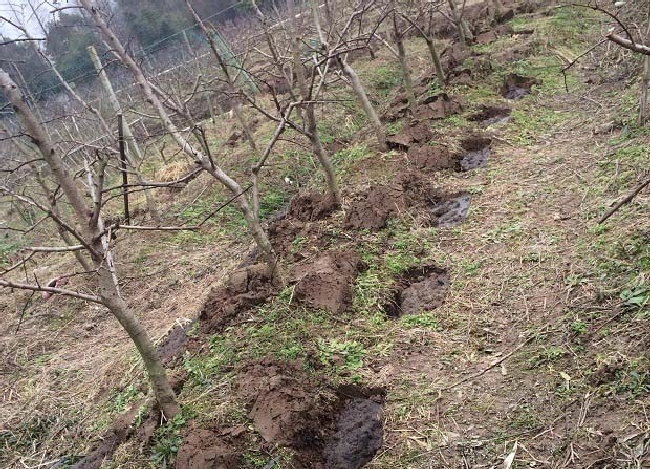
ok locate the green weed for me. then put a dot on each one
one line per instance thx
(424, 320)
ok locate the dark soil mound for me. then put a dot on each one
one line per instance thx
(490, 115)
(359, 435)
(372, 208)
(206, 449)
(442, 208)
(244, 289)
(284, 404)
(478, 150)
(327, 282)
(517, 86)
(410, 134)
(439, 106)
(429, 106)
(431, 157)
(310, 207)
(419, 289)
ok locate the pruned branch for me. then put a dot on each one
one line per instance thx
(4, 283)
(628, 44)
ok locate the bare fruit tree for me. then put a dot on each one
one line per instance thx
(84, 223)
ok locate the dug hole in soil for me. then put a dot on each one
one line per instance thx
(419, 289)
(324, 428)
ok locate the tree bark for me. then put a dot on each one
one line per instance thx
(132, 145)
(360, 92)
(406, 72)
(310, 116)
(108, 291)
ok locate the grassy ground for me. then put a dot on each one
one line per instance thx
(540, 349)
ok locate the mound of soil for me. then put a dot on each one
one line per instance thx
(327, 282)
(373, 207)
(284, 404)
(517, 86)
(431, 157)
(310, 207)
(341, 431)
(491, 115)
(439, 106)
(419, 289)
(478, 150)
(359, 435)
(245, 288)
(206, 449)
(429, 107)
(410, 134)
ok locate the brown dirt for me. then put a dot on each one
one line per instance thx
(490, 115)
(327, 282)
(311, 207)
(208, 449)
(418, 133)
(374, 206)
(432, 158)
(326, 429)
(173, 346)
(418, 290)
(517, 86)
(244, 289)
(429, 107)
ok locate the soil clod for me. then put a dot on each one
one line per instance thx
(205, 449)
(174, 344)
(244, 289)
(374, 206)
(410, 134)
(431, 157)
(327, 282)
(310, 207)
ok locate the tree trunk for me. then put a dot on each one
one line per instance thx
(435, 58)
(107, 278)
(406, 72)
(310, 116)
(643, 107)
(230, 84)
(132, 145)
(360, 92)
(155, 371)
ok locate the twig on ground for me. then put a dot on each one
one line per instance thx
(626, 200)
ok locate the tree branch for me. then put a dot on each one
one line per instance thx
(4, 283)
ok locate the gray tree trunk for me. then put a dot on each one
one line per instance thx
(108, 290)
